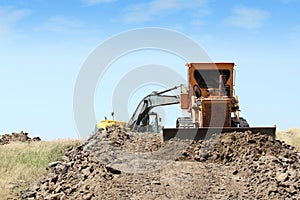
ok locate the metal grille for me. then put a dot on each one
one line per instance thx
(220, 116)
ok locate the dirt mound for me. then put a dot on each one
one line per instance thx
(16, 137)
(271, 167)
(121, 165)
(130, 141)
(77, 175)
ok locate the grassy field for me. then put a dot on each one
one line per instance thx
(22, 163)
(290, 136)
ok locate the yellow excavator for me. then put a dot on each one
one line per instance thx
(103, 124)
(144, 119)
(208, 99)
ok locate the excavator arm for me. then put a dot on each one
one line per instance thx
(155, 99)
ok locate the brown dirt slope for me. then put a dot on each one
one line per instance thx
(120, 165)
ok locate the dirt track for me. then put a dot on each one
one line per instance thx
(120, 165)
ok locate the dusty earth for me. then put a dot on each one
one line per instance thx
(115, 164)
(17, 137)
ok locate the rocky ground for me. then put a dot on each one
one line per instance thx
(115, 164)
(17, 137)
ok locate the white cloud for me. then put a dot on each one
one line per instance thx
(9, 17)
(247, 18)
(137, 14)
(148, 11)
(94, 2)
(158, 6)
(60, 24)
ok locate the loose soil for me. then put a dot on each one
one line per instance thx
(115, 164)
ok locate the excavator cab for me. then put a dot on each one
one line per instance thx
(150, 123)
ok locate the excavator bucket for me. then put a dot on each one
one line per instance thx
(207, 132)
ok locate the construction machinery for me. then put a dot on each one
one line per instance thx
(104, 124)
(108, 123)
(209, 99)
(212, 104)
(144, 119)
(141, 118)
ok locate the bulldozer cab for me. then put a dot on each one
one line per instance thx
(210, 79)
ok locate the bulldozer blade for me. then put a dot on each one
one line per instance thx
(207, 132)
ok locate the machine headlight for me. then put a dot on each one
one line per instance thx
(233, 101)
(199, 103)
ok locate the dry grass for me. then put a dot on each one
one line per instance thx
(26, 162)
(290, 136)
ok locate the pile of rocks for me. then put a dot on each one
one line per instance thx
(133, 141)
(271, 167)
(20, 137)
(77, 176)
(232, 165)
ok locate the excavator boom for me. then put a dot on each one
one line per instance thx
(140, 118)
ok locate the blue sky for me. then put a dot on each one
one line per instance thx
(43, 45)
